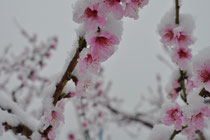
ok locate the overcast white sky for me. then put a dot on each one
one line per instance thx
(132, 68)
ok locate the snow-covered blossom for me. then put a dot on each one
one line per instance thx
(55, 117)
(102, 45)
(132, 8)
(173, 95)
(114, 7)
(196, 121)
(189, 86)
(173, 115)
(201, 68)
(87, 63)
(92, 16)
(182, 38)
(83, 84)
(181, 56)
(167, 35)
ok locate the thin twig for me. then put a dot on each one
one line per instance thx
(129, 117)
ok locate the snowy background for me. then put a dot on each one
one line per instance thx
(132, 68)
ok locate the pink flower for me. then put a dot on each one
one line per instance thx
(132, 8)
(71, 94)
(189, 86)
(94, 17)
(51, 135)
(205, 111)
(173, 95)
(173, 115)
(114, 7)
(176, 84)
(189, 132)
(202, 74)
(102, 45)
(167, 35)
(196, 121)
(182, 38)
(55, 116)
(88, 64)
(181, 56)
(82, 85)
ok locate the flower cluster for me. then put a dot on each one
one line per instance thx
(98, 35)
(101, 20)
(177, 38)
(191, 81)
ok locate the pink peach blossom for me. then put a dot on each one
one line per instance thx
(94, 17)
(173, 95)
(82, 86)
(182, 38)
(181, 56)
(55, 116)
(196, 121)
(132, 8)
(102, 45)
(167, 35)
(202, 74)
(173, 115)
(88, 64)
(189, 86)
(114, 7)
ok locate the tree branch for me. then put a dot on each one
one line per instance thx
(68, 74)
(177, 11)
(129, 117)
(20, 129)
